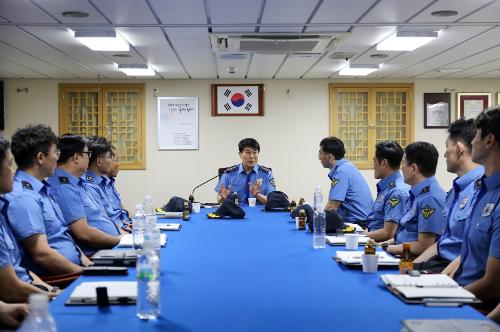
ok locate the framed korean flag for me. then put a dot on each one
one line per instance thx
(237, 99)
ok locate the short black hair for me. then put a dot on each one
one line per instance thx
(69, 144)
(333, 145)
(391, 151)
(4, 146)
(30, 141)
(99, 146)
(248, 143)
(464, 131)
(489, 122)
(424, 155)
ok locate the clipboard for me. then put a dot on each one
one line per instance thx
(119, 292)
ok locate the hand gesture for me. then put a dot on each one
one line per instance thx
(224, 192)
(255, 187)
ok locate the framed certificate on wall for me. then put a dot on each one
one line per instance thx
(237, 99)
(470, 104)
(437, 110)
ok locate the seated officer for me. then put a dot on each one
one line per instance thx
(423, 220)
(479, 260)
(248, 179)
(459, 200)
(35, 218)
(118, 211)
(81, 212)
(349, 192)
(95, 178)
(392, 192)
(15, 280)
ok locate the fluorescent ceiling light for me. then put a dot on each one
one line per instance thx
(358, 70)
(136, 70)
(101, 40)
(406, 40)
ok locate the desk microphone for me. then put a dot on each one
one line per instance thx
(191, 197)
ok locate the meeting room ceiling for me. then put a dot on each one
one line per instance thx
(173, 37)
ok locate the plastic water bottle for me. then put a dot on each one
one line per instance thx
(319, 228)
(153, 233)
(317, 198)
(138, 227)
(148, 282)
(148, 205)
(39, 318)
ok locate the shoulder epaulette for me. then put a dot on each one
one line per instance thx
(425, 190)
(265, 169)
(63, 180)
(89, 178)
(27, 185)
(231, 169)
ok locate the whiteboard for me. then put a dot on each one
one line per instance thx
(177, 123)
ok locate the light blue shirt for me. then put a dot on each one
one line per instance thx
(482, 232)
(389, 206)
(33, 211)
(424, 211)
(10, 252)
(459, 202)
(72, 195)
(349, 187)
(237, 179)
(95, 185)
(117, 213)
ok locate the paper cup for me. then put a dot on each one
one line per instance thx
(297, 222)
(370, 263)
(252, 201)
(196, 207)
(351, 241)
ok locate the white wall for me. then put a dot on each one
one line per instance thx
(289, 133)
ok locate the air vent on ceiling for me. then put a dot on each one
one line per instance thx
(232, 56)
(276, 42)
(341, 55)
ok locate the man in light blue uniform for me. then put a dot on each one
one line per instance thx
(108, 183)
(349, 192)
(36, 219)
(392, 192)
(85, 216)
(15, 280)
(459, 200)
(479, 260)
(423, 221)
(248, 179)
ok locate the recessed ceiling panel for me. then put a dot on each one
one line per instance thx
(394, 11)
(341, 11)
(126, 11)
(296, 66)
(19, 70)
(57, 7)
(235, 12)
(264, 65)
(363, 38)
(298, 12)
(23, 11)
(463, 7)
(325, 67)
(180, 12)
(7, 74)
(477, 71)
(489, 13)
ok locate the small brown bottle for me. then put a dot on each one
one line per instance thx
(293, 205)
(185, 211)
(370, 247)
(302, 219)
(406, 263)
(235, 198)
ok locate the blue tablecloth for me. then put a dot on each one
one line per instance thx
(256, 274)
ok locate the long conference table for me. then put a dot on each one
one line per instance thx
(256, 274)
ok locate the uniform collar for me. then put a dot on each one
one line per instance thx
(492, 181)
(463, 181)
(28, 181)
(97, 178)
(3, 202)
(338, 163)
(421, 187)
(242, 170)
(393, 178)
(72, 179)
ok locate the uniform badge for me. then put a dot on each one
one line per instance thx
(63, 180)
(272, 182)
(428, 211)
(394, 201)
(425, 190)
(463, 202)
(392, 184)
(478, 184)
(27, 185)
(488, 208)
(334, 182)
(380, 199)
(89, 178)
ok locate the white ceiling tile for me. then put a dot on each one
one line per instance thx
(393, 11)
(19, 70)
(193, 47)
(234, 11)
(57, 7)
(264, 65)
(463, 7)
(329, 28)
(487, 14)
(295, 66)
(297, 12)
(363, 38)
(7, 74)
(177, 12)
(481, 58)
(490, 74)
(23, 11)
(477, 70)
(341, 11)
(2, 20)
(152, 45)
(325, 67)
(126, 11)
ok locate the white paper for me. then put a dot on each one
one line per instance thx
(435, 292)
(168, 227)
(177, 123)
(86, 290)
(169, 215)
(339, 240)
(438, 114)
(127, 241)
(354, 258)
(425, 280)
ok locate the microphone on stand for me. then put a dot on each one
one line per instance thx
(191, 196)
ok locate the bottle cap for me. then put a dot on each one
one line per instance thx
(38, 301)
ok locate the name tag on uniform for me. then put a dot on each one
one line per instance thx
(464, 202)
(488, 208)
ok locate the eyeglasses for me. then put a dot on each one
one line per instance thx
(58, 153)
(89, 153)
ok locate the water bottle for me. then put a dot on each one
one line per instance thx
(148, 282)
(319, 228)
(153, 233)
(317, 198)
(39, 318)
(148, 206)
(138, 227)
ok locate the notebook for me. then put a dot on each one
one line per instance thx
(127, 241)
(428, 289)
(353, 258)
(169, 215)
(339, 239)
(115, 257)
(168, 227)
(119, 292)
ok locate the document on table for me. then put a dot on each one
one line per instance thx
(339, 240)
(168, 227)
(354, 258)
(128, 241)
(119, 292)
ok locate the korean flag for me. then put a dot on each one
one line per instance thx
(238, 99)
